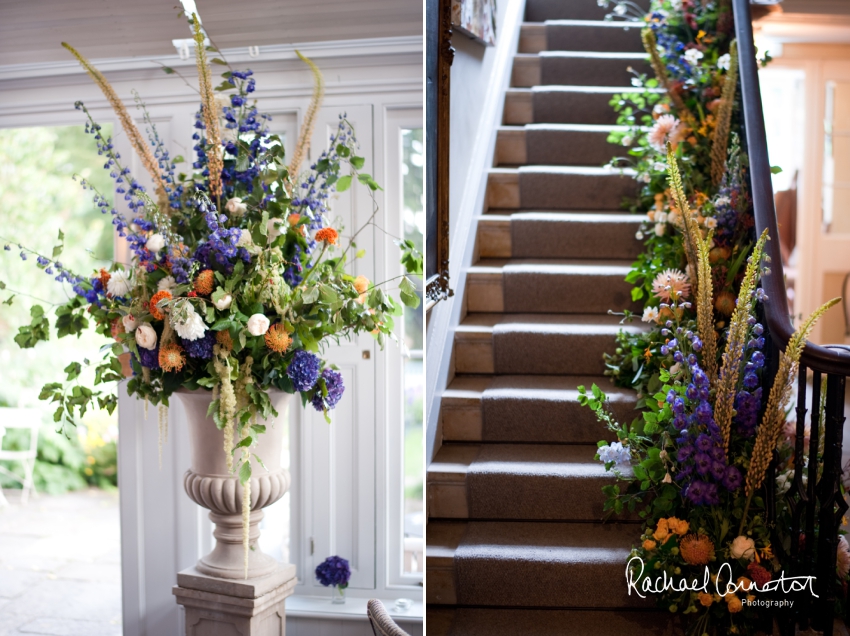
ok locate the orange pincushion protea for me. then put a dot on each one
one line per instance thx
(104, 277)
(158, 296)
(171, 357)
(697, 549)
(725, 303)
(277, 339)
(223, 338)
(327, 235)
(204, 282)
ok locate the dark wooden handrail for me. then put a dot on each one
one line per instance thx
(826, 360)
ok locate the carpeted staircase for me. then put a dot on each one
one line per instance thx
(514, 539)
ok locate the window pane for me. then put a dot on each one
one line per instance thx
(414, 380)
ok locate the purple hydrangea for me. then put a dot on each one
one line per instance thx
(303, 370)
(336, 387)
(149, 358)
(201, 348)
(333, 571)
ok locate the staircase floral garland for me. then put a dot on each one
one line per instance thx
(693, 465)
(237, 279)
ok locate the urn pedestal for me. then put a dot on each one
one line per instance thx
(218, 598)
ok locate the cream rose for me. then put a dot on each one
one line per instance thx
(155, 243)
(129, 323)
(224, 302)
(146, 337)
(258, 325)
(743, 548)
(236, 207)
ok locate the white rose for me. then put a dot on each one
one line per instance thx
(743, 548)
(119, 283)
(244, 239)
(192, 327)
(155, 243)
(724, 61)
(258, 325)
(223, 303)
(146, 337)
(236, 207)
(166, 284)
(660, 229)
(129, 323)
(627, 140)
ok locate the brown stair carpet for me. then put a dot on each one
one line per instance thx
(515, 538)
(545, 409)
(526, 564)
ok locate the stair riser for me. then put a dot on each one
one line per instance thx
(517, 353)
(577, 71)
(519, 108)
(563, 191)
(532, 238)
(532, 38)
(570, 107)
(515, 583)
(542, 10)
(563, 37)
(536, 292)
(519, 419)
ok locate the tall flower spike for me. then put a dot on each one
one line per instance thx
(136, 140)
(736, 339)
(774, 414)
(705, 306)
(210, 111)
(651, 46)
(306, 132)
(689, 225)
(724, 118)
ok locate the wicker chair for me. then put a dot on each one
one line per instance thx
(382, 624)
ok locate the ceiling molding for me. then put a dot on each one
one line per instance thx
(340, 50)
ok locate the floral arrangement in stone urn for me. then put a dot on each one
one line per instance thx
(334, 572)
(236, 282)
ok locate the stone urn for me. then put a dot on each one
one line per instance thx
(210, 485)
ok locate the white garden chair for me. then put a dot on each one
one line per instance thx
(23, 419)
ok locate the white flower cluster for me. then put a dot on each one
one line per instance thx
(615, 452)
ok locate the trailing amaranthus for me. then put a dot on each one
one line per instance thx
(774, 414)
(651, 46)
(226, 400)
(246, 511)
(209, 109)
(724, 118)
(136, 140)
(309, 118)
(735, 342)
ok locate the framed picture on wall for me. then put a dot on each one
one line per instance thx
(476, 18)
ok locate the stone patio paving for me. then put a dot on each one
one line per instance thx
(60, 565)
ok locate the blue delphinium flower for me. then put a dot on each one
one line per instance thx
(303, 370)
(149, 358)
(333, 571)
(336, 387)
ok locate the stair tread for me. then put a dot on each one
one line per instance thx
(596, 55)
(485, 322)
(511, 212)
(578, 88)
(557, 127)
(591, 171)
(471, 389)
(535, 540)
(561, 265)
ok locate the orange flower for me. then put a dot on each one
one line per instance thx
(327, 235)
(725, 303)
(204, 282)
(697, 549)
(733, 604)
(104, 277)
(662, 532)
(293, 219)
(223, 338)
(679, 526)
(117, 328)
(277, 339)
(705, 599)
(171, 357)
(649, 545)
(158, 296)
(361, 284)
